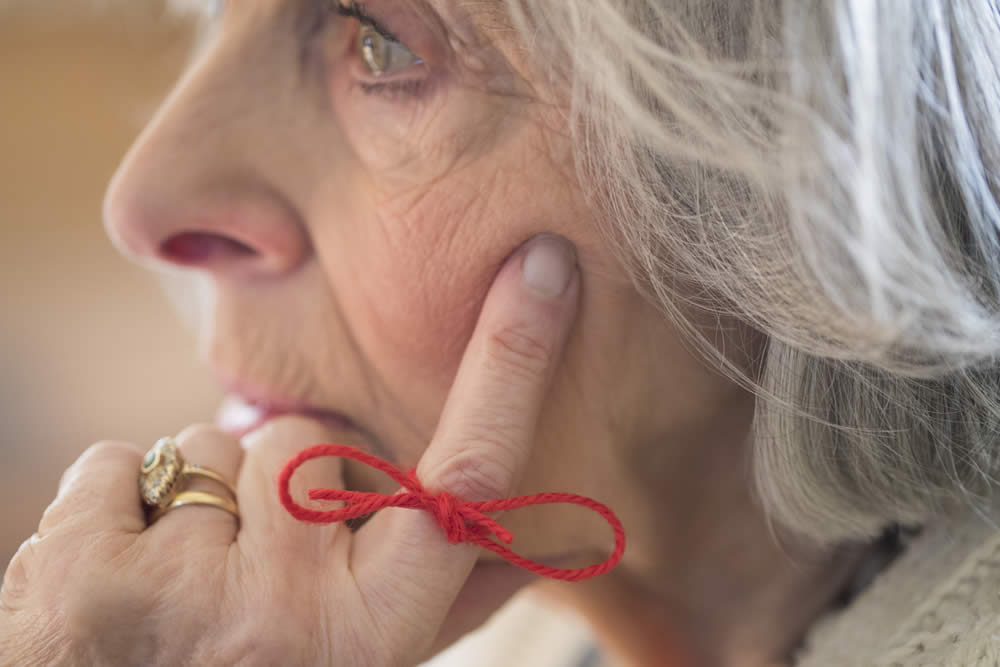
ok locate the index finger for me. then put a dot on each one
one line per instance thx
(487, 429)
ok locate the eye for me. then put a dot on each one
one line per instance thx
(382, 55)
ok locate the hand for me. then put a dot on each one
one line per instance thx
(96, 585)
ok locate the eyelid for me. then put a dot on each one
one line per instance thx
(413, 23)
(357, 10)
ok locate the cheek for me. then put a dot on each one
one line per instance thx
(411, 253)
(410, 273)
(419, 316)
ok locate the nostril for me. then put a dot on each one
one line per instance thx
(194, 248)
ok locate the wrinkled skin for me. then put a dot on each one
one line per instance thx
(342, 232)
(97, 586)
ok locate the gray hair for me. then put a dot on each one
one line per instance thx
(824, 171)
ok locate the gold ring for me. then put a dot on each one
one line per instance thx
(164, 475)
(197, 498)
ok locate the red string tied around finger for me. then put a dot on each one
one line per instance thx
(462, 522)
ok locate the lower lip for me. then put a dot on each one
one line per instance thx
(240, 418)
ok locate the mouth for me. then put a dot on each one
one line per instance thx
(248, 407)
(240, 415)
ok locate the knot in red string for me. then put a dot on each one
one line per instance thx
(448, 515)
(462, 522)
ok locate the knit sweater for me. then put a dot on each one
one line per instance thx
(937, 605)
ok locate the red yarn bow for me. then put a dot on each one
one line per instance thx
(461, 521)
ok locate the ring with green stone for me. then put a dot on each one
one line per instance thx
(164, 474)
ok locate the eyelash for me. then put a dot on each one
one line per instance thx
(388, 89)
(356, 11)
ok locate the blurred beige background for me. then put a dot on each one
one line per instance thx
(89, 349)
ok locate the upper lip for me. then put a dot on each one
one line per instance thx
(259, 396)
(274, 403)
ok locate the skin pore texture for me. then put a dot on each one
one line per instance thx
(349, 227)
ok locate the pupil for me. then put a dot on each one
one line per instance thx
(375, 57)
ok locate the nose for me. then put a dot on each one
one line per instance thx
(244, 235)
(191, 194)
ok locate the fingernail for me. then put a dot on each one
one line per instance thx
(549, 265)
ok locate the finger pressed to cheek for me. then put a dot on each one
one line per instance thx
(487, 429)
(488, 425)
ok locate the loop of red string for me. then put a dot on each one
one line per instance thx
(461, 521)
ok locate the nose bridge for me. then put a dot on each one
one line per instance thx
(199, 168)
(204, 125)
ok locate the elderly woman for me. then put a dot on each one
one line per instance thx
(731, 267)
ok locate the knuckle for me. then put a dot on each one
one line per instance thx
(521, 351)
(198, 431)
(96, 456)
(478, 473)
(17, 577)
(108, 449)
(53, 516)
(274, 436)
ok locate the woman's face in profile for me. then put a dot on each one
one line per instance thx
(350, 186)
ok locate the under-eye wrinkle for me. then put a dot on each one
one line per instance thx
(407, 87)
